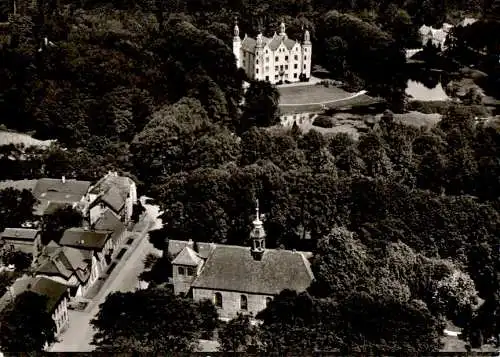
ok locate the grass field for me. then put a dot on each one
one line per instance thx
(310, 94)
(361, 100)
(7, 138)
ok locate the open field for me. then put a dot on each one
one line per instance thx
(7, 138)
(315, 94)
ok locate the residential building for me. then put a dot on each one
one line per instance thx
(25, 240)
(57, 294)
(238, 279)
(99, 243)
(110, 222)
(76, 268)
(274, 59)
(118, 193)
(53, 193)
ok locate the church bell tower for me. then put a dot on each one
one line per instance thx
(258, 236)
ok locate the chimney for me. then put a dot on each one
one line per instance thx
(294, 251)
(63, 179)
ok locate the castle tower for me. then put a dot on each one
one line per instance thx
(237, 44)
(259, 58)
(282, 29)
(258, 236)
(306, 55)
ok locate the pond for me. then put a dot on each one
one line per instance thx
(426, 92)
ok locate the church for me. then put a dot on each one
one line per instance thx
(276, 59)
(238, 279)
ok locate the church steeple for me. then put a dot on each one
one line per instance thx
(258, 236)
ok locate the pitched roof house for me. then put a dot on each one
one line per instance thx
(22, 239)
(238, 279)
(56, 293)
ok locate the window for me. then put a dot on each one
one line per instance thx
(243, 302)
(305, 58)
(266, 69)
(305, 49)
(304, 66)
(296, 57)
(295, 75)
(190, 271)
(267, 59)
(295, 66)
(243, 63)
(218, 300)
(286, 76)
(275, 68)
(276, 59)
(267, 78)
(268, 301)
(266, 52)
(286, 66)
(180, 270)
(256, 70)
(281, 67)
(256, 61)
(276, 77)
(286, 58)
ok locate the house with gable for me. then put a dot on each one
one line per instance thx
(57, 297)
(75, 268)
(238, 279)
(25, 240)
(97, 243)
(118, 193)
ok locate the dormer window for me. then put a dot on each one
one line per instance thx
(180, 270)
(190, 271)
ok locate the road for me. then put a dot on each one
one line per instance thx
(78, 336)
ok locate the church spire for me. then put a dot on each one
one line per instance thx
(258, 235)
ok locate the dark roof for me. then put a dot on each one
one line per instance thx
(20, 233)
(249, 43)
(233, 268)
(53, 290)
(54, 206)
(66, 261)
(84, 239)
(57, 190)
(109, 221)
(114, 199)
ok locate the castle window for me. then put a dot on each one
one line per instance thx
(266, 51)
(286, 66)
(243, 302)
(305, 58)
(218, 300)
(256, 61)
(295, 75)
(190, 271)
(296, 57)
(276, 77)
(267, 59)
(305, 49)
(268, 301)
(304, 66)
(286, 58)
(276, 59)
(286, 76)
(295, 66)
(180, 270)
(275, 68)
(266, 69)
(256, 70)
(267, 78)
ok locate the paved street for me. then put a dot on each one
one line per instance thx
(78, 336)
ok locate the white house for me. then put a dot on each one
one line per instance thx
(274, 59)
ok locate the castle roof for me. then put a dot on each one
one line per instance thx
(249, 43)
(233, 268)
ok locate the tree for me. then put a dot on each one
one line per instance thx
(16, 207)
(57, 222)
(261, 106)
(22, 261)
(237, 335)
(149, 321)
(137, 210)
(26, 325)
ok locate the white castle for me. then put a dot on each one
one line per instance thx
(273, 59)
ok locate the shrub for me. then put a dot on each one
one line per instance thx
(323, 122)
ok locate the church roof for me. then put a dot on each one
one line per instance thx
(273, 43)
(187, 256)
(233, 268)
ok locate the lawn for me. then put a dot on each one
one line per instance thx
(7, 138)
(310, 94)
